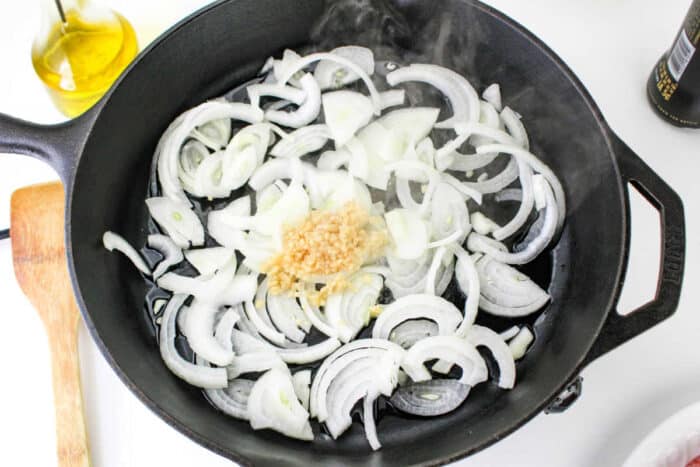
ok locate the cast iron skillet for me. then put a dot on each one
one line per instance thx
(104, 156)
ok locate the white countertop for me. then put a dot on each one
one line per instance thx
(611, 46)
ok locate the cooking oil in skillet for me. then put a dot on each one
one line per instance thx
(79, 59)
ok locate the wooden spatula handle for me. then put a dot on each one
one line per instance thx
(71, 435)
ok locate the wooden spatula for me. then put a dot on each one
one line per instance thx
(39, 258)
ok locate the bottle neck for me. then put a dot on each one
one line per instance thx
(83, 11)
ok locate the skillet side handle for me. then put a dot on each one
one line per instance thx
(57, 145)
(618, 329)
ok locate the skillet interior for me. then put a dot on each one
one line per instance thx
(214, 51)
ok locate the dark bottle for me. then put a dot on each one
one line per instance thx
(674, 85)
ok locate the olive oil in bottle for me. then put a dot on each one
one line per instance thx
(79, 52)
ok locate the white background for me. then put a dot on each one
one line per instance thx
(611, 45)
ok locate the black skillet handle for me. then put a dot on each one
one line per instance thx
(618, 329)
(58, 145)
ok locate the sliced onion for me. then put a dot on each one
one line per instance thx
(285, 64)
(318, 321)
(333, 160)
(412, 123)
(420, 306)
(339, 360)
(538, 166)
(520, 343)
(482, 336)
(222, 289)
(178, 221)
(302, 141)
(411, 331)
(310, 354)
(302, 386)
(392, 98)
(263, 328)
(280, 309)
(223, 225)
(366, 165)
(469, 282)
(254, 362)
(499, 181)
(509, 333)
(483, 225)
(273, 404)
(332, 75)
(315, 57)
(430, 398)
(509, 194)
(409, 233)
(370, 376)
(288, 93)
(112, 241)
(448, 213)
(463, 187)
(526, 205)
(463, 99)
(515, 127)
(492, 95)
(168, 149)
(214, 134)
(214, 378)
(192, 154)
(431, 277)
(476, 242)
(199, 331)
(505, 291)
(306, 113)
(209, 260)
(258, 136)
(223, 332)
(449, 348)
(370, 425)
(233, 400)
(172, 254)
(348, 312)
(345, 112)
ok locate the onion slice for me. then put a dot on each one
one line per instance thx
(479, 243)
(506, 291)
(302, 141)
(345, 112)
(273, 404)
(430, 398)
(302, 383)
(213, 378)
(482, 336)
(463, 99)
(349, 64)
(209, 260)
(449, 348)
(332, 75)
(306, 113)
(172, 254)
(178, 221)
(112, 241)
(422, 306)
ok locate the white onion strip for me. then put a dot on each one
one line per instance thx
(315, 57)
(214, 378)
(526, 204)
(172, 254)
(112, 241)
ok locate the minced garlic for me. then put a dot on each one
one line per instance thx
(328, 245)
